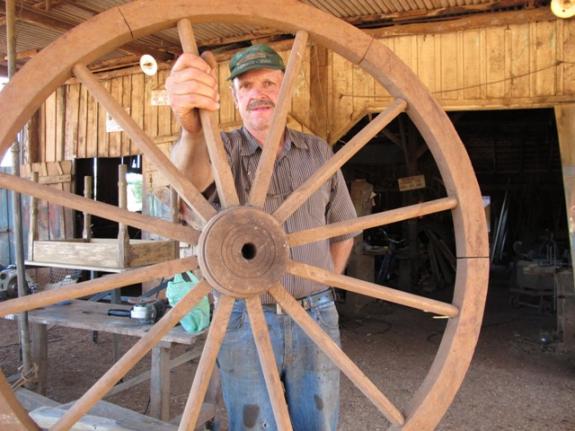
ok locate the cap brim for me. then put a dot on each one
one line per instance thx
(249, 67)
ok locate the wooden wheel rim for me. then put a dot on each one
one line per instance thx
(118, 26)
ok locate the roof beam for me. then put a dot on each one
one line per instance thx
(44, 21)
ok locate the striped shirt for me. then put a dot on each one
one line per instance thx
(301, 156)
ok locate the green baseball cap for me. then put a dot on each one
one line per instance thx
(255, 57)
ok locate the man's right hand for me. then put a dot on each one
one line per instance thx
(192, 85)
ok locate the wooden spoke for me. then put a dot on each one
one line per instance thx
(205, 368)
(185, 188)
(102, 284)
(334, 352)
(110, 212)
(371, 289)
(379, 219)
(220, 167)
(273, 142)
(299, 196)
(268, 362)
(131, 357)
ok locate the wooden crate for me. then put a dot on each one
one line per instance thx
(104, 253)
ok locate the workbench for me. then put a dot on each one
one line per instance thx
(93, 316)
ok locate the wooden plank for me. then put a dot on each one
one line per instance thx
(164, 112)
(39, 339)
(318, 109)
(495, 45)
(150, 112)
(115, 138)
(60, 123)
(103, 136)
(92, 128)
(342, 91)
(138, 100)
(544, 56)
(51, 126)
(81, 145)
(472, 64)
(160, 384)
(71, 121)
(450, 65)
(568, 53)
(363, 89)
(127, 104)
(426, 61)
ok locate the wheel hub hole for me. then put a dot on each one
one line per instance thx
(248, 251)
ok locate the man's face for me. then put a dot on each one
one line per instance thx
(256, 93)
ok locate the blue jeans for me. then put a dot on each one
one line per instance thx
(310, 379)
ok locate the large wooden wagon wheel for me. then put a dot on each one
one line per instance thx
(255, 247)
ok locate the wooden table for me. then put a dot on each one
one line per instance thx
(92, 316)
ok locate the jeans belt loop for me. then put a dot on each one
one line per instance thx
(308, 301)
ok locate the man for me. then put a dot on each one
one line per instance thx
(311, 381)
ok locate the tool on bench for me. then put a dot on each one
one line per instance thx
(146, 309)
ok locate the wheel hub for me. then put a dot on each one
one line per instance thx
(243, 251)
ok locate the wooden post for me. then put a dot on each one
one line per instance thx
(39, 336)
(160, 383)
(88, 194)
(123, 238)
(565, 118)
(33, 228)
(360, 265)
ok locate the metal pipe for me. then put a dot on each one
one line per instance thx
(23, 326)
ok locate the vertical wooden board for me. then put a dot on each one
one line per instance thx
(545, 58)
(50, 124)
(495, 47)
(301, 94)
(520, 60)
(405, 47)
(150, 112)
(103, 136)
(227, 105)
(127, 104)
(42, 132)
(138, 100)
(449, 65)
(471, 64)
(60, 122)
(363, 89)
(164, 112)
(92, 128)
(426, 61)
(82, 123)
(569, 55)
(71, 121)
(115, 138)
(342, 100)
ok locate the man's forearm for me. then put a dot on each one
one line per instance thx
(340, 252)
(190, 156)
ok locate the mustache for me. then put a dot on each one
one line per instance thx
(260, 103)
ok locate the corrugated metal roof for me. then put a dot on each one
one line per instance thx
(69, 13)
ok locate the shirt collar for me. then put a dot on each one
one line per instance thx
(250, 145)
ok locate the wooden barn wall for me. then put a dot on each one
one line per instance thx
(513, 66)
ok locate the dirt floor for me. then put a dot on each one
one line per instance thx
(518, 380)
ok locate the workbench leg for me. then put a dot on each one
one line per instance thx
(116, 299)
(39, 336)
(160, 384)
